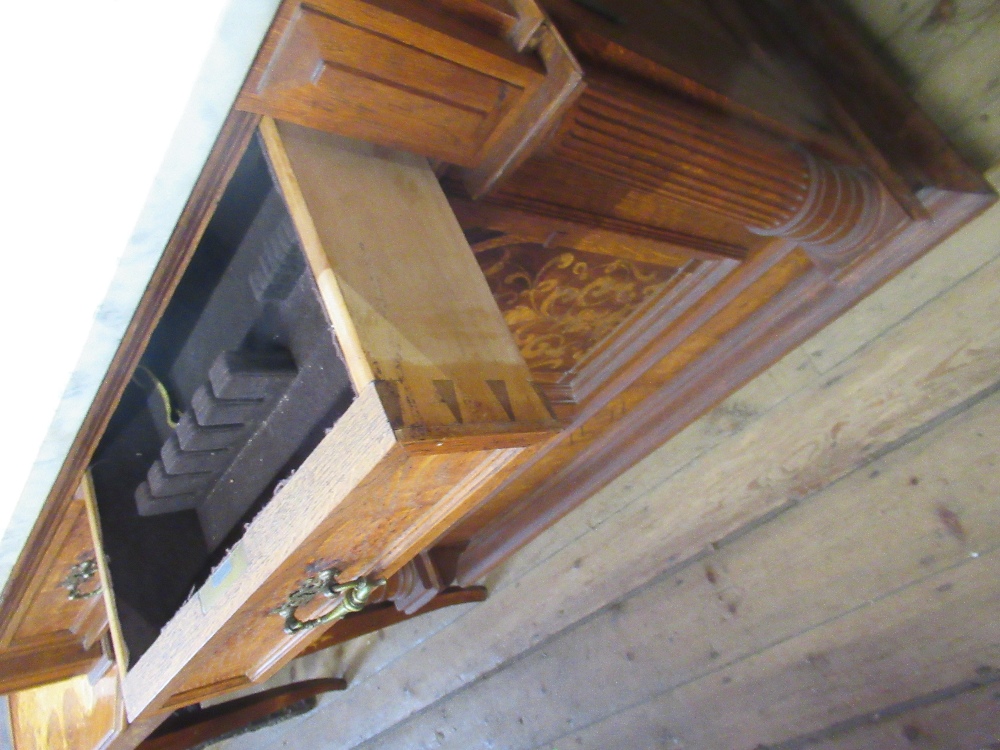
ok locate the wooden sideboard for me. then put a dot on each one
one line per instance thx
(535, 240)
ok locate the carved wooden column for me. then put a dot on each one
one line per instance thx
(571, 114)
(678, 152)
(681, 152)
(841, 210)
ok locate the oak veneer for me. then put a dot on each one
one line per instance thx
(196, 725)
(681, 366)
(410, 307)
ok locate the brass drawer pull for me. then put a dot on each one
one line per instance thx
(78, 575)
(356, 594)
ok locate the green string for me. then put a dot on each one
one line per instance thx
(164, 395)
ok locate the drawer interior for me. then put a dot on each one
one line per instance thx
(240, 380)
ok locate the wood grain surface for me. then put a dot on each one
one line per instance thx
(968, 721)
(74, 714)
(403, 290)
(118, 645)
(397, 74)
(884, 336)
(704, 623)
(669, 373)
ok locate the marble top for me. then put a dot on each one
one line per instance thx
(114, 123)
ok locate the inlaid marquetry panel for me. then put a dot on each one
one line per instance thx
(560, 302)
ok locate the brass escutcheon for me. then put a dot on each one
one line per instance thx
(79, 574)
(356, 594)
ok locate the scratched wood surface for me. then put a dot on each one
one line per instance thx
(970, 721)
(783, 697)
(876, 632)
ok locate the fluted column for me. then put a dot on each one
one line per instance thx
(841, 210)
(692, 154)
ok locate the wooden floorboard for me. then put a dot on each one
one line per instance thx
(957, 258)
(967, 721)
(931, 36)
(854, 665)
(781, 581)
(979, 137)
(974, 63)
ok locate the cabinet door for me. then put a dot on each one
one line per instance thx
(75, 714)
(52, 625)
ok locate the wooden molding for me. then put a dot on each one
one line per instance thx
(843, 210)
(655, 142)
(36, 664)
(544, 109)
(899, 142)
(395, 73)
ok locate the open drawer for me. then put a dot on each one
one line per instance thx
(331, 386)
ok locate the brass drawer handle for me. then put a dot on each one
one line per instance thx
(356, 594)
(78, 575)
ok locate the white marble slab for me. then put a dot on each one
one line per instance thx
(164, 75)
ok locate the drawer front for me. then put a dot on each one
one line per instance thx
(70, 587)
(60, 615)
(363, 511)
(397, 74)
